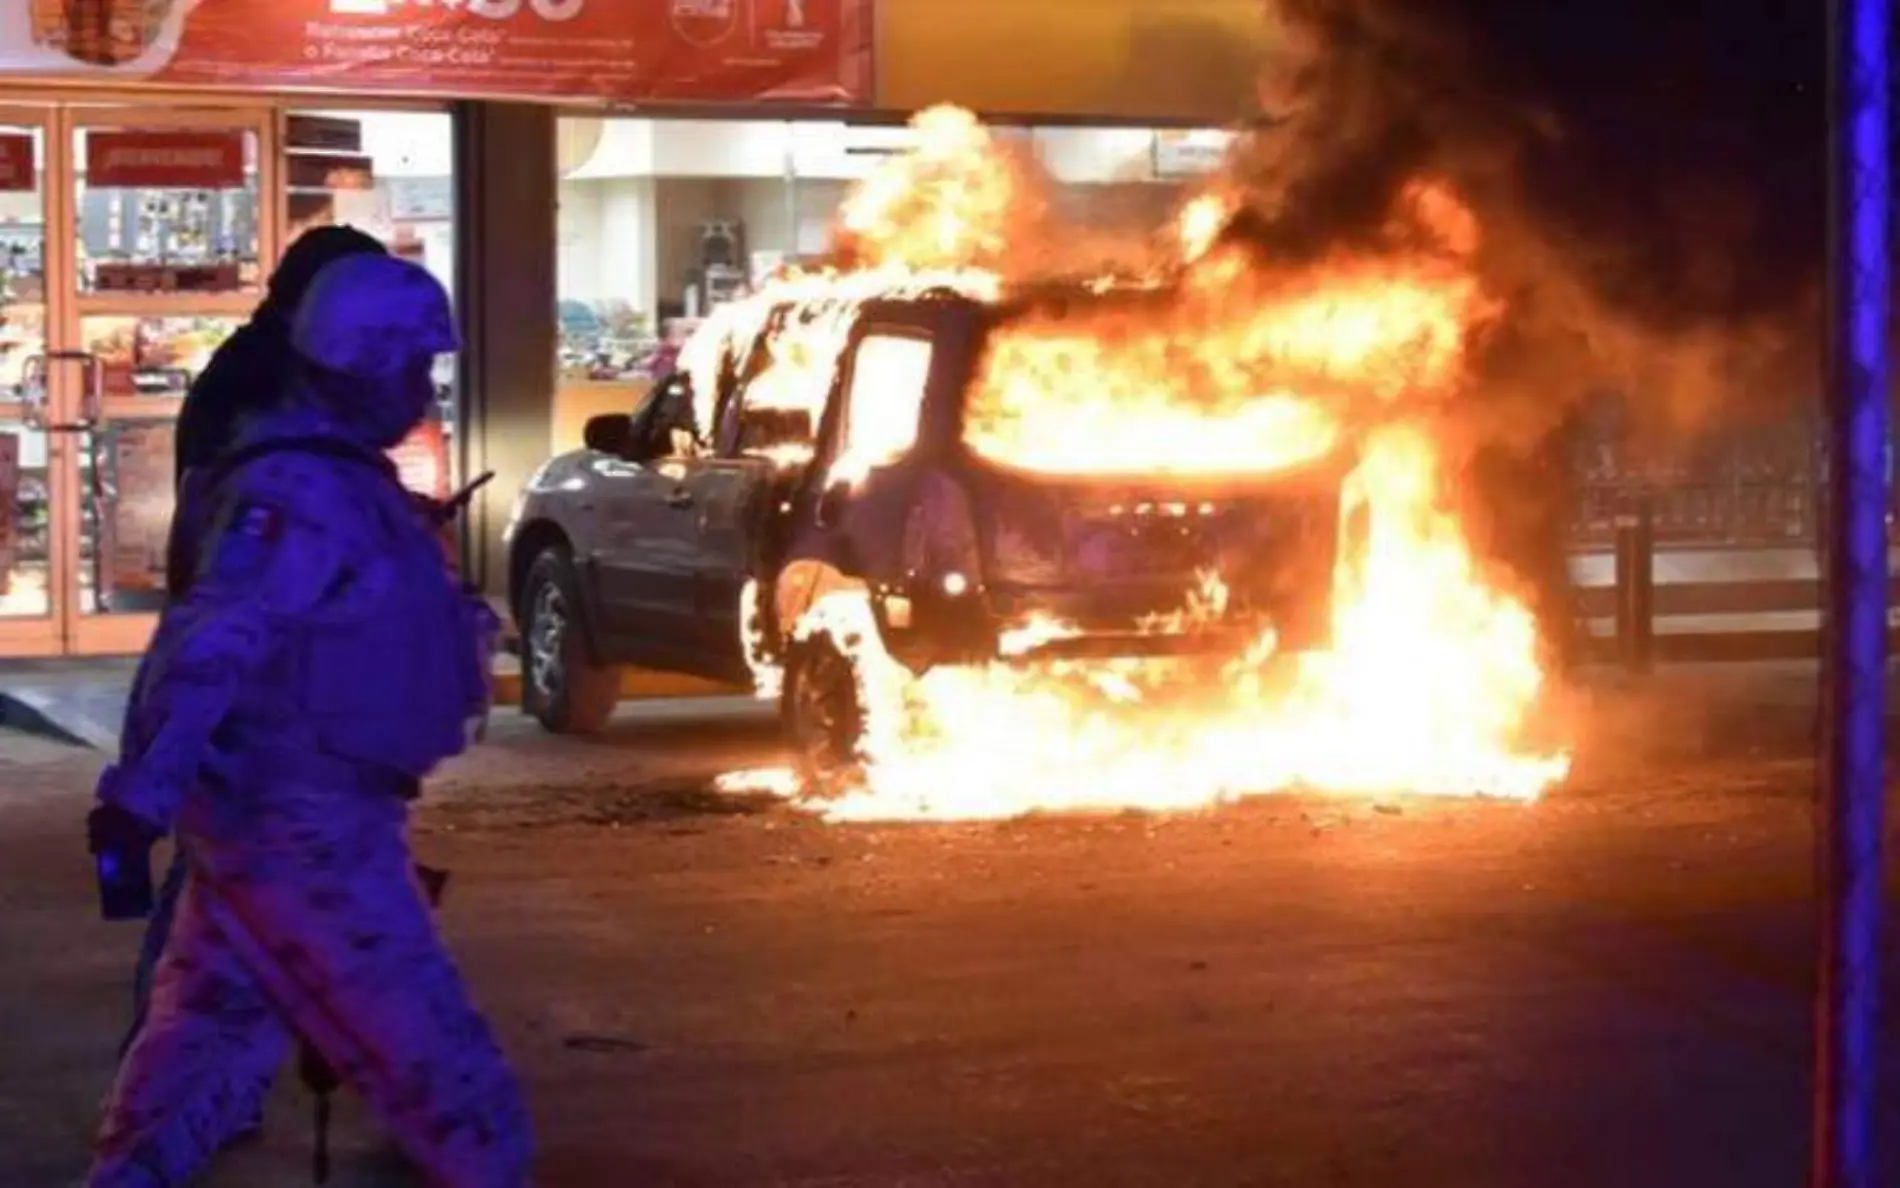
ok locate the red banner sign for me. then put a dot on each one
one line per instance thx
(806, 51)
(166, 160)
(18, 169)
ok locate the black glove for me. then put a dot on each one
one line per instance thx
(109, 827)
(121, 845)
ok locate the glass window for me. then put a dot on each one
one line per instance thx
(662, 221)
(24, 536)
(889, 375)
(780, 401)
(22, 335)
(1126, 180)
(167, 210)
(782, 434)
(128, 467)
(153, 356)
(786, 433)
(24, 530)
(390, 174)
(669, 419)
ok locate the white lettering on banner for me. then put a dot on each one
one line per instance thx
(129, 158)
(453, 56)
(493, 10)
(718, 10)
(479, 37)
(317, 31)
(332, 52)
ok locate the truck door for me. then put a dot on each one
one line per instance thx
(739, 501)
(642, 563)
(764, 444)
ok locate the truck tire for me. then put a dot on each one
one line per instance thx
(823, 716)
(562, 687)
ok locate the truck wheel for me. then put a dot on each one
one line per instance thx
(561, 685)
(823, 715)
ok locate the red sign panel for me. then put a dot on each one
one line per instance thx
(166, 160)
(18, 169)
(807, 51)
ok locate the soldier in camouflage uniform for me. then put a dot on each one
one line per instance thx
(323, 661)
(245, 374)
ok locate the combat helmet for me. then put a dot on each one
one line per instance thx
(373, 317)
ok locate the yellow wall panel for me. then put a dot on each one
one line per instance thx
(1160, 60)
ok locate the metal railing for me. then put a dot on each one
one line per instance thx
(1710, 558)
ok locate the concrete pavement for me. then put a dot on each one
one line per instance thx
(1607, 988)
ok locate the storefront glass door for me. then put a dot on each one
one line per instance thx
(28, 624)
(133, 240)
(157, 230)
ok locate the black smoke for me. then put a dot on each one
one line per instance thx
(1650, 178)
(1650, 181)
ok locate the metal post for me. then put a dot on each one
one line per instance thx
(1850, 825)
(1636, 582)
(1643, 582)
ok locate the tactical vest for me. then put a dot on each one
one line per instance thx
(392, 665)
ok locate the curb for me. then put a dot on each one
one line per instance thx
(636, 684)
(30, 716)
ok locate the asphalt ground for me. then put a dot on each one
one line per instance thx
(1609, 987)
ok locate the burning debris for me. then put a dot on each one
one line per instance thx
(1198, 356)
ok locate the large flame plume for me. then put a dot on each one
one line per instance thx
(1236, 367)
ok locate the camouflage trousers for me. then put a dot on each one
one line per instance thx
(157, 935)
(302, 915)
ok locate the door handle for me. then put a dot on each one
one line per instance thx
(680, 497)
(33, 381)
(92, 401)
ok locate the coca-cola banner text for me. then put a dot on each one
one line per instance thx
(794, 51)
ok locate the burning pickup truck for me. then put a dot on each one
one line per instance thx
(826, 449)
(1179, 533)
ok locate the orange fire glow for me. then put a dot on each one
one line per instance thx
(1215, 363)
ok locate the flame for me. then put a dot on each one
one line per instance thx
(1200, 222)
(1210, 362)
(1240, 371)
(768, 677)
(819, 308)
(1429, 681)
(951, 203)
(1206, 604)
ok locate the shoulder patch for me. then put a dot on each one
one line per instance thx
(259, 522)
(248, 541)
